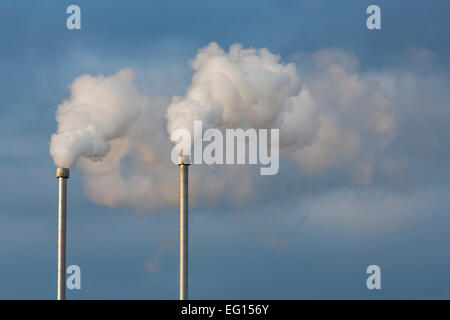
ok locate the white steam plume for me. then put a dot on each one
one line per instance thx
(99, 110)
(245, 88)
(322, 118)
(331, 117)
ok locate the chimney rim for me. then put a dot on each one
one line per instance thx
(63, 173)
(184, 160)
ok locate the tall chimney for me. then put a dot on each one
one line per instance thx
(183, 163)
(62, 174)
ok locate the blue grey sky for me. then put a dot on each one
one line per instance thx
(298, 235)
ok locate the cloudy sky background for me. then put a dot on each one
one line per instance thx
(297, 235)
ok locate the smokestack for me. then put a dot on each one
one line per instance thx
(62, 174)
(183, 163)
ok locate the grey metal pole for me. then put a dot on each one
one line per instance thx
(62, 174)
(183, 163)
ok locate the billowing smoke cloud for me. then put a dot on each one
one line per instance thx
(99, 110)
(329, 118)
(324, 119)
(241, 88)
(246, 88)
(357, 119)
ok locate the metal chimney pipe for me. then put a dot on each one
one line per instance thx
(183, 163)
(62, 174)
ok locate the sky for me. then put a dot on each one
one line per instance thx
(308, 232)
